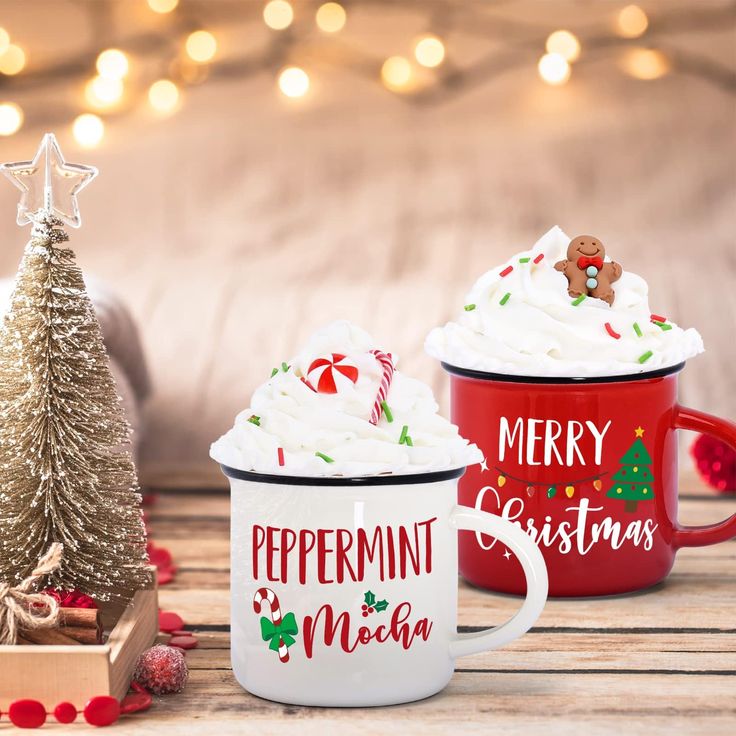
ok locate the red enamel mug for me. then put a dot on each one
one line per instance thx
(587, 468)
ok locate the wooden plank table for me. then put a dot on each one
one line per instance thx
(663, 661)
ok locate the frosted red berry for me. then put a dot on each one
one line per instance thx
(162, 669)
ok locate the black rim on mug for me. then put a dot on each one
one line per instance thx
(511, 378)
(347, 481)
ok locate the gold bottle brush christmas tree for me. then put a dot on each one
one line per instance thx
(67, 474)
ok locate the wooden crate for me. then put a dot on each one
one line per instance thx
(53, 674)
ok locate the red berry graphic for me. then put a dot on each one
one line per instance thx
(370, 610)
(364, 607)
(364, 614)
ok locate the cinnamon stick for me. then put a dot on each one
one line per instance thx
(87, 617)
(82, 634)
(48, 636)
(76, 626)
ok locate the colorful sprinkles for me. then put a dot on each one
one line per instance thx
(326, 458)
(524, 260)
(387, 412)
(637, 329)
(255, 419)
(506, 271)
(612, 332)
(469, 307)
(663, 325)
(280, 453)
(645, 357)
(657, 318)
(539, 258)
(274, 372)
(285, 368)
(505, 298)
(578, 300)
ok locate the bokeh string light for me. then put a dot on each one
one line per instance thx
(4, 40)
(102, 93)
(163, 96)
(11, 118)
(554, 69)
(162, 6)
(646, 64)
(112, 64)
(429, 51)
(632, 22)
(13, 60)
(397, 73)
(278, 14)
(565, 44)
(294, 82)
(201, 46)
(186, 53)
(88, 130)
(331, 17)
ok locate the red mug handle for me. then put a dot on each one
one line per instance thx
(722, 429)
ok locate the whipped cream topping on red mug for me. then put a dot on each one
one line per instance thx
(312, 417)
(519, 319)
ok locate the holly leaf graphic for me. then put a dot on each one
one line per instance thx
(369, 598)
(381, 606)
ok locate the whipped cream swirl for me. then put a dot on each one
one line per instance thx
(329, 434)
(525, 323)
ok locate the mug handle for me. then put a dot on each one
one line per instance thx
(468, 519)
(722, 429)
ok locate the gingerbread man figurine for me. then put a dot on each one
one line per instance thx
(586, 271)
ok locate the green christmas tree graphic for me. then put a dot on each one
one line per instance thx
(634, 482)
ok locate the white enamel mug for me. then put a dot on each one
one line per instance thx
(344, 590)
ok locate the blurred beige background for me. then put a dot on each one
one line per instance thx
(239, 223)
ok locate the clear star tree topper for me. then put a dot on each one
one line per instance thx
(65, 463)
(49, 184)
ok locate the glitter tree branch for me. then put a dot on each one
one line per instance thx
(67, 472)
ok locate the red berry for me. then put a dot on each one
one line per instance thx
(101, 710)
(364, 614)
(65, 713)
(27, 714)
(370, 610)
(364, 607)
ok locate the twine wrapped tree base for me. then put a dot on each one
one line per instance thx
(26, 611)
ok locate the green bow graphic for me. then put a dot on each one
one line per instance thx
(285, 631)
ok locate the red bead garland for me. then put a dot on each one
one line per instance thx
(27, 713)
(65, 713)
(102, 710)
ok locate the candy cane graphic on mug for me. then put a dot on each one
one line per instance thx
(266, 594)
(387, 364)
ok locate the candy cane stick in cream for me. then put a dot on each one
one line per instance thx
(387, 364)
(266, 594)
